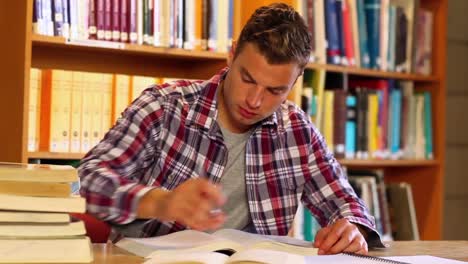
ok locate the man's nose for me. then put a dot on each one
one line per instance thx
(255, 97)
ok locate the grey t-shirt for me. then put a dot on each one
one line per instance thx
(233, 181)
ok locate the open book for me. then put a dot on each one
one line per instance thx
(246, 256)
(226, 241)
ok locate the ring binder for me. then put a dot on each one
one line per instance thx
(373, 259)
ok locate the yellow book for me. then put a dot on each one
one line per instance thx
(86, 111)
(47, 230)
(37, 172)
(296, 91)
(34, 109)
(69, 204)
(121, 95)
(106, 91)
(55, 113)
(76, 112)
(96, 108)
(65, 111)
(140, 83)
(69, 250)
(372, 125)
(318, 84)
(31, 217)
(198, 24)
(44, 189)
(328, 117)
(222, 14)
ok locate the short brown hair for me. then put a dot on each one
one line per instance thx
(280, 34)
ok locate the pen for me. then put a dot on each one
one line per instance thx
(202, 174)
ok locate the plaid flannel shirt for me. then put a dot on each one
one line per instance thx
(171, 128)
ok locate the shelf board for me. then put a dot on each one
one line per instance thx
(55, 155)
(41, 40)
(388, 163)
(190, 55)
(373, 73)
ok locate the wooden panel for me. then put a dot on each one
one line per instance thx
(457, 68)
(457, 125)
(15, 51)
(456, 175)
(457, 20)
(456, 219)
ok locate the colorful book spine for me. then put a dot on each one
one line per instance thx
(372, 10)
(332, 33)
(428, 125)
(124, 19)
(115, 20)
(350, 134)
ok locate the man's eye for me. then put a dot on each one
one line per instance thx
(275, 91)
(247, 80)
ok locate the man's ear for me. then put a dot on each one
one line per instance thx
(231, 54)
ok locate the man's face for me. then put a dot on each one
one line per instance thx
(253, 89)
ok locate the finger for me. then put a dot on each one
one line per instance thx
(333, 236)
(215, 222)
(211, 192)
(321, 234)
(354, 247)
(343, 242)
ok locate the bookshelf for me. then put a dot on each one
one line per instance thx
(22, 50)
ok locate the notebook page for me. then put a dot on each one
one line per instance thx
(425, 260)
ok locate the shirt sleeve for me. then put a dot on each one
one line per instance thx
(112, 174)
(328, 194)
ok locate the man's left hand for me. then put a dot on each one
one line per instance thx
(341, 236)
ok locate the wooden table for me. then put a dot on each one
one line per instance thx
(108, 253)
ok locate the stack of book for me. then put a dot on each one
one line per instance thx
(35, 225)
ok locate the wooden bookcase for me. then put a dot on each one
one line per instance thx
(21, 49)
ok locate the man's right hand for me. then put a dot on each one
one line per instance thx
(190, 203)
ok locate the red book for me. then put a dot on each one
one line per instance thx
(133, 34)
(348, 34)
(100, 19)
(115, 20)
(124, 18)
(108, 19)
(92, 25)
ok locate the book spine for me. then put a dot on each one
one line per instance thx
(38, 20)
(124, 19)
(372, 10)
(100, 21)
(428, 125)
(363, 41)
(350, 135)
(339, 123)
(92, 25)
(108, 19)
(132, 25)
(341, 35)
(332, 33)
(115, 20)
(66, 19)
(311, 26)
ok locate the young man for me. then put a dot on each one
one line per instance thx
(181, 150)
